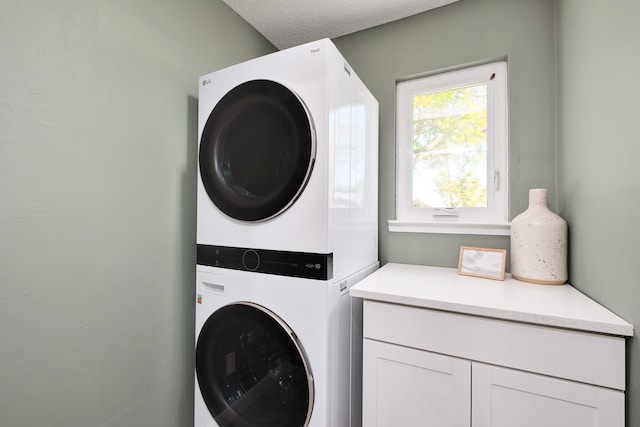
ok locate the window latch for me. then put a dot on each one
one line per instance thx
(496, 180)
(445, 212)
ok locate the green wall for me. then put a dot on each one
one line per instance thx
(466, 32)
(98, 123)
(591, 48)
(98, 166)
(598, 69)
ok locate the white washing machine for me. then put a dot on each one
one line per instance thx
(288, 149)
(276, 351)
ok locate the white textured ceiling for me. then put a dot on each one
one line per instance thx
(287, 23)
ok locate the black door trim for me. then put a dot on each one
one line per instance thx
(252, 370)
(257, 150)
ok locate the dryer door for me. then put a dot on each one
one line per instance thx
(257, 150)
(251, 369)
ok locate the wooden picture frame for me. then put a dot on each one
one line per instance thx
(488, 263)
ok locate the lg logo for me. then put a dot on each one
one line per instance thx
(206, 82)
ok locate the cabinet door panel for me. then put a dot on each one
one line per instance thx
(408, 387)
(505, 398)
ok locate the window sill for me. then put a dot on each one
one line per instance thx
(399, 226)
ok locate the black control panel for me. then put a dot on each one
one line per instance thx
(283, 263)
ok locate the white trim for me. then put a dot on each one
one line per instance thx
(490, 220)
(399, 226)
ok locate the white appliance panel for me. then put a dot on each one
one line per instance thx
(319, 314)
(337, 211)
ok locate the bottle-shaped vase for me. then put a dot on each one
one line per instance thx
(539, 243)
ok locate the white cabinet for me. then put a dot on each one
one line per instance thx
(506, 398)
(409, 387)
(406, 385)
(434, 360)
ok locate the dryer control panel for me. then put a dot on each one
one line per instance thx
(284, 263)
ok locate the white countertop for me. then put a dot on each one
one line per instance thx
(443, 289)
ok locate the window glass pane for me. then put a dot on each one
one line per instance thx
(449, 148)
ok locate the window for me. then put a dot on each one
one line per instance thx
(452, 155)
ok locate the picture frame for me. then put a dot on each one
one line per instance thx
(488, 263)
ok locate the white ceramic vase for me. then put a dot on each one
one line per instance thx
(539, 243)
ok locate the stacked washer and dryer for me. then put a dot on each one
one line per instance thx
(287, 223)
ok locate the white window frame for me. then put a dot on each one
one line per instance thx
(494, 219)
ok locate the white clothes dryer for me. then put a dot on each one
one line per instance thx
(288, 149)
(276, 351)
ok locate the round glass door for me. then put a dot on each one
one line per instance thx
(251, 369)
(257, 150)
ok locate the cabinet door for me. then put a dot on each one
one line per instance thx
(506, 398)
(408, 387)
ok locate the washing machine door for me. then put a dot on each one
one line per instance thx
(257, 150)
(251, 369)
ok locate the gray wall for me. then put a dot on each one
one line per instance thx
(466, 32)
(592, 48)
(97, 177)
(598, 139)
(98, 143)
